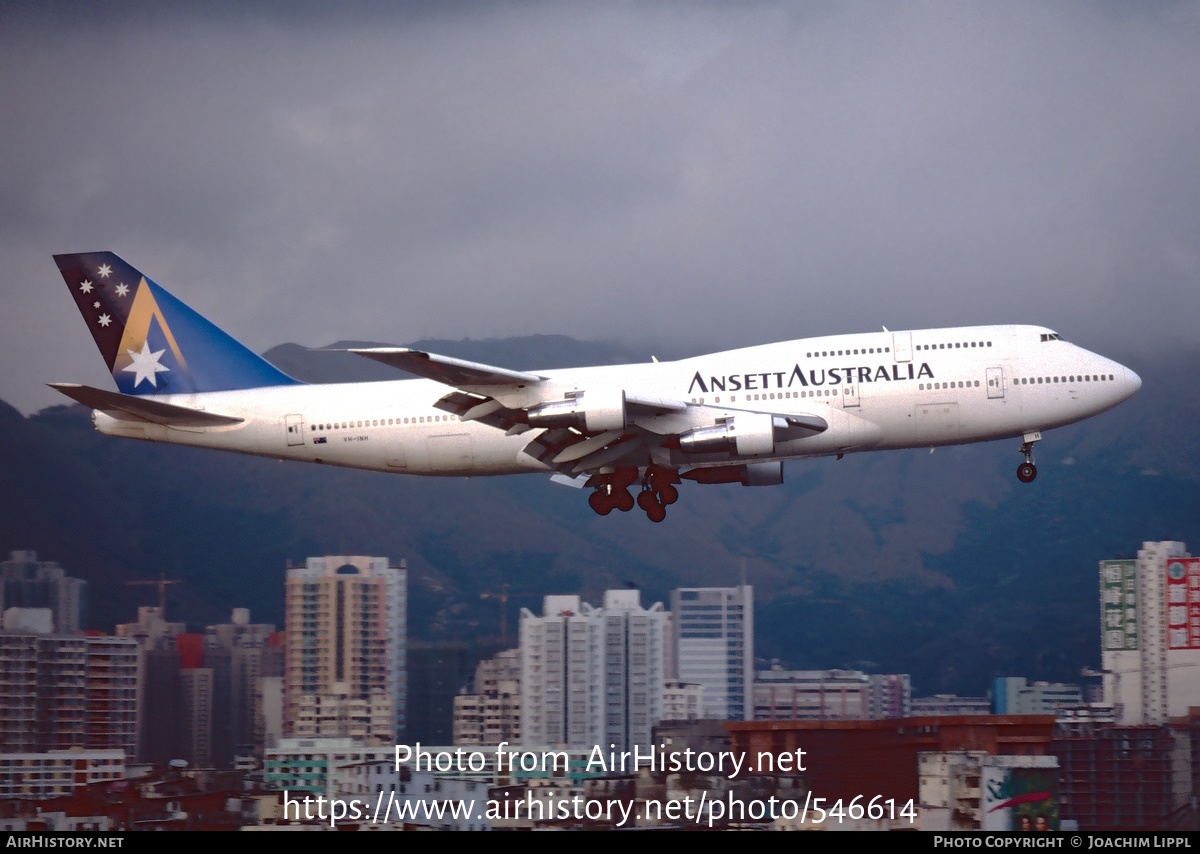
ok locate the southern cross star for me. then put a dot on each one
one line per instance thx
(104, 320)
(104, 271)
(145, 365)
(122, 289)
(85, 286)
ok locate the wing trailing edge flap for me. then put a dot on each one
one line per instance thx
(485, 410)
(564, 450)
(142, 408)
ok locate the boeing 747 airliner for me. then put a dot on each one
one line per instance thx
(729, 417)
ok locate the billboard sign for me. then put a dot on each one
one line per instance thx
(1118, 605)
(1183, 603)
(1019, 798)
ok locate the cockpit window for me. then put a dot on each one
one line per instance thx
(1052, 336)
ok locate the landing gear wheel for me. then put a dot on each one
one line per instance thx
(623, 500)
(656, 513)
(645, 500)
(668, 494)
(600, 502)
(1027, 471)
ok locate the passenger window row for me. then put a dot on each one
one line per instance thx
(860, 351)
(969, 384)
(779, 396)
(1084, 378)
(955, 346)
(381, 422)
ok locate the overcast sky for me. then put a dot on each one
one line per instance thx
(700, 175)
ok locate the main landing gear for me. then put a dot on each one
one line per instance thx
(612, 492)
(1027, 471)
(658, 491)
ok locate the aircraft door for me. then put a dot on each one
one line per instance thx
(902, 346)
(295, 429)
(995, 383)
(849, 395)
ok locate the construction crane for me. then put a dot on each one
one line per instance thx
(162, 583)
(504, 595)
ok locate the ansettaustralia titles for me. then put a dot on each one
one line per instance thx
(832, 376)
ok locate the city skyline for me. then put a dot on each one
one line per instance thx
(154, 700)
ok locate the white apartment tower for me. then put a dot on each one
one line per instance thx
(589, 675)
(714, 646)
(1150, 633)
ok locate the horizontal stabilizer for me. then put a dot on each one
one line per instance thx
(445, 369)
(143, 408)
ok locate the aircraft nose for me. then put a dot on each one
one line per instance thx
(1130, 381)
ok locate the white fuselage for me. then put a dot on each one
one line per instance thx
(879, 390)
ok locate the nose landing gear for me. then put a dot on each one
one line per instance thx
(1027, 471)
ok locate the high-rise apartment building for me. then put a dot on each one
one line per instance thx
(26, 582)
(66, 691)
(714, 646)
(592, 675)
(160, 736)
(239, 653)
(492, 714)
(346, 634)
(1150, 633)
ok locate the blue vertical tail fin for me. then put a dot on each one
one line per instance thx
(152, 342)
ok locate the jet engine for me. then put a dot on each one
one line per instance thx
(745, 435)
(593, 411)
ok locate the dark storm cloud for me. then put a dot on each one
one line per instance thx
(698, 176)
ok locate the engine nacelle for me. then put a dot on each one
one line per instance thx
(745, 435)
(594, 411)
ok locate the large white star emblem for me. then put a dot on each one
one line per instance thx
(145, 365)
(122, 289)
(104, 271)
(85, 286)
(104, 320)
